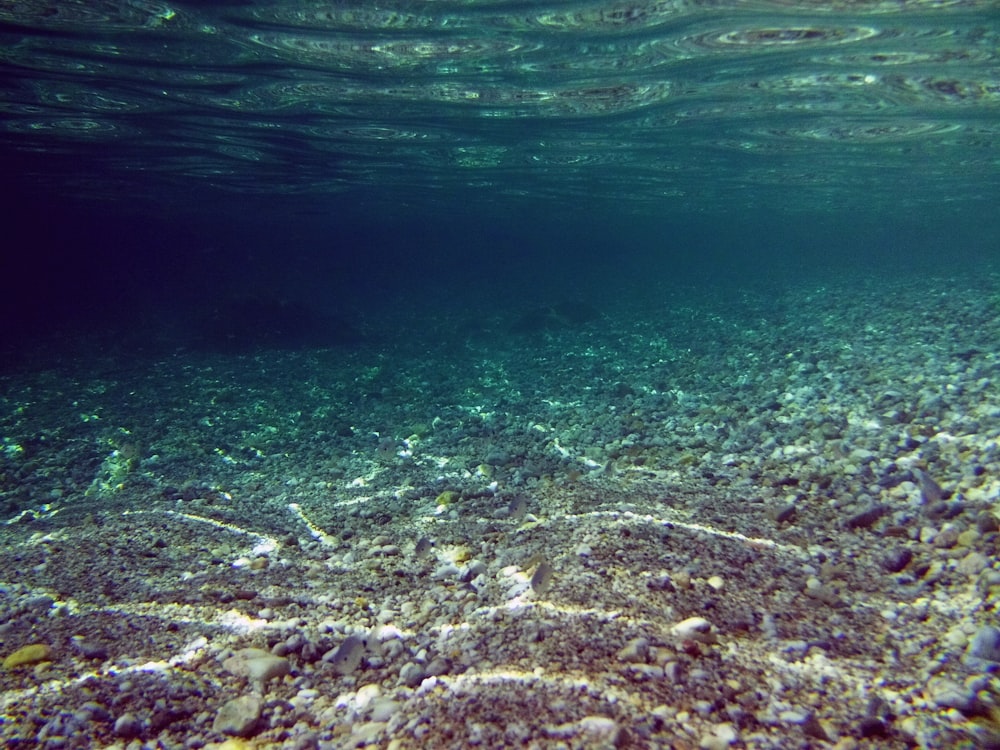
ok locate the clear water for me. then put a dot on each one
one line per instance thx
(662, 106)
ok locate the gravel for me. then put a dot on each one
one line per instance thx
(755, 520)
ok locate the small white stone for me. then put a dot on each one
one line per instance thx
(384, 709)
(695, 629)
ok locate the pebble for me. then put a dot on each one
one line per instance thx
(636, 651)
(986, 523)
(257, 665)
(239, 716)
(30, 654)
(949, 694)
(695, 629)
(782, 513)
(541, 581)
(973, 563)
(411, 674)
(866, 518)
(946, 538)
(722, 737)
(897, 560)
(985, 644)
(127, 726)
(347, 657)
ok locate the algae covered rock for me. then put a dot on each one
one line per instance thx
(30, 654)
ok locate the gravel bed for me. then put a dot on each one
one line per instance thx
(760, 518)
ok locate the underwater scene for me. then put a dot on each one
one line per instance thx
(550, 374)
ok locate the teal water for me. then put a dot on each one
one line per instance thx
(160, 159)
(327, 321)
(658, 106)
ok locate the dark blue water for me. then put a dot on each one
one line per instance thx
(160, 157)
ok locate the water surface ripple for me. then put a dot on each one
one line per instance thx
(701, 102)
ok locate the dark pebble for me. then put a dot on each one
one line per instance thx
(784, 514)
(867, 517)
(944, 510)
(872, 727)
(91, 650)
(897, 560)
(986, 523)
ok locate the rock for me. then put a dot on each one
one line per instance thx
(824, 594)
(973, 563)
(946, 538)
(872, 726)
(866, 518)
(411, 674)
(986, 523)
(782, 513)
(128, 726)
(930, 491)
(635, 651)
(695, 629)
(257, 665)
(897, 560)
(812, 727)
(949, 694)
(347, 657)
(724, 736)
(985, 644)
(238, 717)
(30, 654)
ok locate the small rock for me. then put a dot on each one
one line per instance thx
(871, 726)
(541, 581)
(866, 518)
(973, 563)
(411, 674)
(635, 651)
(347, 657)
(985, 644)
(946, 538)
(930, 491)
(897, 560)
(812, 727)
(30, 654)
(238, 717)
(257, 665)
(128, 726)
(824, 594)
(695, 629)
(782, 513)
(986, 523)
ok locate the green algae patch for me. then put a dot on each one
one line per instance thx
(31, 654)
(447, 497)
